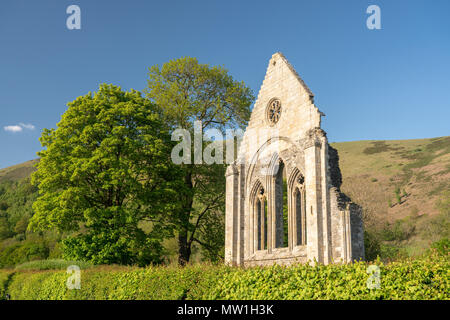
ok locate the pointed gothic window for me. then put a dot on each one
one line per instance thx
(261, 223)
(281, 207)
(260, 218)
(298, 203)
(300, 216)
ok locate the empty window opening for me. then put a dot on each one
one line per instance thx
(300, 216)
(281, 207)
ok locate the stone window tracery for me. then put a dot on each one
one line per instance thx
(299, 212)
(273, 111)
(287, 221)
(260, 218)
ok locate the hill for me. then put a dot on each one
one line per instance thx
(403, 187)
(18, 172)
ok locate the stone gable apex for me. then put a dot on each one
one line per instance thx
(289, 65)
(279, 58)
(298, 112)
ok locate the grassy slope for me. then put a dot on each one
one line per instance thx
(373, 170)
(18, 172)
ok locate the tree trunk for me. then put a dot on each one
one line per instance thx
(184, 245)
(184, 249)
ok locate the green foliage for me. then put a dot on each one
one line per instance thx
(5, 231)
(185, 91)
(22, 252)
(212, 236)
(398, 231)
(106, 168)
(206, 225)
(51, 264)
(437, 227)
(425, 278)
(406, 280)
(112, 283)
(104, 246)
(21, 225)
(442, 247)
(16, 200)
(3, 205)
(392, 252)
(372, 246)
(5, 276)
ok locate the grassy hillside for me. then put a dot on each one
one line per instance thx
(403, 186)
(17, 172)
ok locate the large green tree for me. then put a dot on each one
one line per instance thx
(184, 91)
(105, 171)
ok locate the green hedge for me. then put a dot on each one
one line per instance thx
(399, 280)
(51, 264)
(105, 283)
(426, 278)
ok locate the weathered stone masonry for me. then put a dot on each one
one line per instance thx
(284, 158)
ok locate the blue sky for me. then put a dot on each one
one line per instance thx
(391, 83)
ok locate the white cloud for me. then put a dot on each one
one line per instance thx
(19, 127)
(13, 128)
(28, 126)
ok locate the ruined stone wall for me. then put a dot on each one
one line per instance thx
(333, 225)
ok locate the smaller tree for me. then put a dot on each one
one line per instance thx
(21, 225)
(105, 171)
(5, 232)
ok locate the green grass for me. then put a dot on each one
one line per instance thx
(388, 156)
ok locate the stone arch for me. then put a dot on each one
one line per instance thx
(268, 168)
(281, 215)
(297, 201)
(280, 197)
(259, 223)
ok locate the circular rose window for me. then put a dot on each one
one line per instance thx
(274, 111)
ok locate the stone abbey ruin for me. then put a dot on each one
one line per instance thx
(283, 199)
